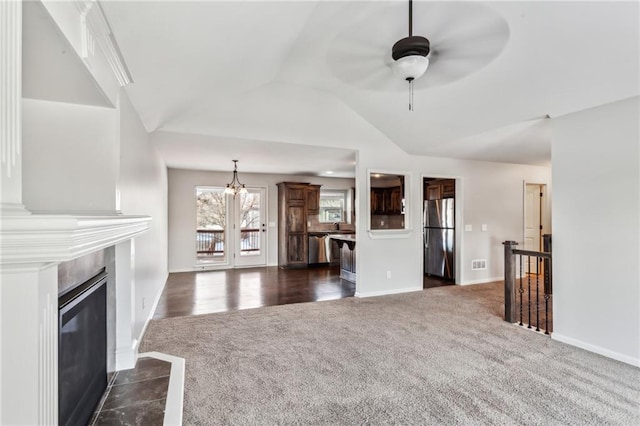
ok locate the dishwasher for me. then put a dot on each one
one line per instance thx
(319, 249)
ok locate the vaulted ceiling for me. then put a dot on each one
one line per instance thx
(211, 77)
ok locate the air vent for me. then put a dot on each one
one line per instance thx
(478, 264)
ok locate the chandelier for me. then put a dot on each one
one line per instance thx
(235, 187)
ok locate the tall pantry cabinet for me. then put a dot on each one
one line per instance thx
(293, 245)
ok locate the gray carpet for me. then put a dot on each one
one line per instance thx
(441, 356)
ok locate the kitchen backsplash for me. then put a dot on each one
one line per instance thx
(314, 225)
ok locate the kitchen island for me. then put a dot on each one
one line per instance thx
(347, 244)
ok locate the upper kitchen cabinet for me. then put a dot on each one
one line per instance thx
(313, 199)
(437, 189)
(387, 202)
(292, 224)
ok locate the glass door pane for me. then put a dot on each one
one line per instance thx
(211, 225)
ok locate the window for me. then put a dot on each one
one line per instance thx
(334, 205)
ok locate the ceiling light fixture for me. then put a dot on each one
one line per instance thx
(410, 56)
(235, 187)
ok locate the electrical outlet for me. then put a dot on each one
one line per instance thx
(388, 274)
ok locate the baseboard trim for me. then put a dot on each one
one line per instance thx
(175, 271)
(175, 393)
(126, 356)
(596, 349)
(151, 312)
(387, 292)
(482, 281)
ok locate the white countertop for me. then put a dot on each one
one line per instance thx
(343, 237)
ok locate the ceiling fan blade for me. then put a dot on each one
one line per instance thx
(362, 62)
(464, 38)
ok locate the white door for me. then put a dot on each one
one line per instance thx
(250, 230)
(532, 223)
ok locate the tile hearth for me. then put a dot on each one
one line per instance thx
(137, 396)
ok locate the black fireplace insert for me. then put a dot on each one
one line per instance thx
(82, 350)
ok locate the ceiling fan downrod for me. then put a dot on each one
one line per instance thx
(410, 18)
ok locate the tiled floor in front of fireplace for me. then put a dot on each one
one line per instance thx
(136, 396)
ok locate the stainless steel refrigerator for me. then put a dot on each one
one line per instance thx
(439, 238)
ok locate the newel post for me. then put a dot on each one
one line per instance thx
(509, 282)
(548, 281)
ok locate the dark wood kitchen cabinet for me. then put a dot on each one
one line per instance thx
(438, 189)
(313, 199)
(293, 245)
(386, 200)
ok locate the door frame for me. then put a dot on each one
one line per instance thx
(459, 208)
(230, 235)
(544, 210)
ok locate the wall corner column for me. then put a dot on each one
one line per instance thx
(11, 108)
(29, 345)
(126, 344)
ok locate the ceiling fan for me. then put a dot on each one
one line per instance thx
(411, 56)
(463, 37)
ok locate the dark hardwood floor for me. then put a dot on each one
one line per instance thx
(195, 293)
(431, 282)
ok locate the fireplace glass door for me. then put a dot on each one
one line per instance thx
(82, 350)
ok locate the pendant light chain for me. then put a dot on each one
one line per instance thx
(411, 95)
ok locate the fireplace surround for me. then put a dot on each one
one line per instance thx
(33, 251)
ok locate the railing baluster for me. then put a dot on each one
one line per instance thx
(521, 290)
(537, 295)
(529, 290)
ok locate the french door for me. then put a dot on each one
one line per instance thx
(231, 231)
(250, 230)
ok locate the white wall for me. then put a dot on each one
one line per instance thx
(486, 193)
(596, 230)
(70, 157)
(142, 189)
(182, 208)
(78, 157)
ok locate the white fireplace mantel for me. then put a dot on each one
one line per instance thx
(39, 238)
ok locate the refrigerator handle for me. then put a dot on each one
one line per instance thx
(426, 237)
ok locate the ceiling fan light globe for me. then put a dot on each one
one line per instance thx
(410, 67)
